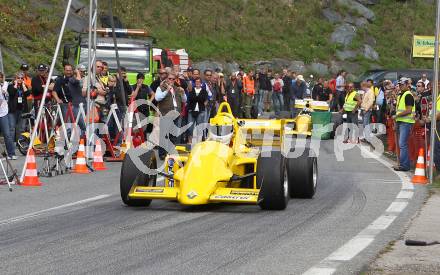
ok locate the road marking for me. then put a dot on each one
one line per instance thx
(382, 222)
(362, 240)
(320, 271)
(41, 212)
(396, 207)
(350, 249)
(405, 195)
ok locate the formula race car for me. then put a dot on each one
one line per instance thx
(230, 166)
(304, 125)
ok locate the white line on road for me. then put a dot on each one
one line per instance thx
(41, 212)
(349, 250)
(320, 271)
(362, 240)
(396, 207)
(405, 195)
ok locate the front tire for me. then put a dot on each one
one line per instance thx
(272, 180)
(303, 175)
(131, 175)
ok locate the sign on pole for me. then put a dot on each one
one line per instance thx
(423, 46)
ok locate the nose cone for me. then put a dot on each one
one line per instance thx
(207, 164)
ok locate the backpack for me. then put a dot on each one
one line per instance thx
(277, 86)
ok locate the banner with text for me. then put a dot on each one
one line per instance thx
(423, 46)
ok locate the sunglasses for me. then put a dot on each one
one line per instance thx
(102, 67)
(20, 78)
(208, 74)
(171, 78)
(419, 86)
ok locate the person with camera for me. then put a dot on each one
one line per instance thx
(98, 90)
(169, 99)
(17, 94)
(4, 121)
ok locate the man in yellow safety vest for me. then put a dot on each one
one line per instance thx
(405, 119)
(350, 107)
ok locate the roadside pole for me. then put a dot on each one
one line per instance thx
(46, 88)
(435, 93)
(2, 68)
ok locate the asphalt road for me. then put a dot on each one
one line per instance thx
(40, 234)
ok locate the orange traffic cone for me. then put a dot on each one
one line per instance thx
(80, 165)
(98, 162)
(31, 173)
(419, 174)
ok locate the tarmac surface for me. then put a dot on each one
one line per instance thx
(77, 224)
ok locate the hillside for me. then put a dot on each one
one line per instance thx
(312, 35)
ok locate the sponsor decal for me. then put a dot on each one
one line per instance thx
(144, 190)
(191, 195)
(244, 193)
(231, 197)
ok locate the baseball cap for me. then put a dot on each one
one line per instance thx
(300, 77)
(403, 80)
(24, 67)
(42, 67)
(81, 67)
(190, 69)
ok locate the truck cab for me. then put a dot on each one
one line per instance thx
(135, 53)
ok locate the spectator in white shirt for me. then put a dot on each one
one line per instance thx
(425, 80)
(340, 89)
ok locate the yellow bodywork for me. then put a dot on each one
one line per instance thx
(208, 172)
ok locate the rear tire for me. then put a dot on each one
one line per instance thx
(272, 180)
(303, 175)
(131, 175)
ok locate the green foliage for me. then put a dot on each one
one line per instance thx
(226, 30)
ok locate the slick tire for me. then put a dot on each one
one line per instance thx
(302, 173)
(131, 175)
(272, 180)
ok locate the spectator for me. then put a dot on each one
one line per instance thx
(248, 93)
(233, 93)
(286, 89)
(298, 91)
(4, 126)
(405, 118)
(111, 99)
(17, 94)
(367, 108)
(340, 89)
(351, 106)
(61, 93)
(142, 91)
(212, 93)
(197, 100)
(169, 99)
(99, 87)
(318, 89)
(78, 96)
(38, 84)
(277, 85)
(162, 77)
(104, 74)
(24, 68)
(122, 92)
(264, 96)
(222, 87)
(380, 109)
(425, 80)
(3, 83)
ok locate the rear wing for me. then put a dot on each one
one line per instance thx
(266, 132)
(311, 104)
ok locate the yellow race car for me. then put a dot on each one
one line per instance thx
(233, 165)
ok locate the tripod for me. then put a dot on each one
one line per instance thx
(9, 179)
